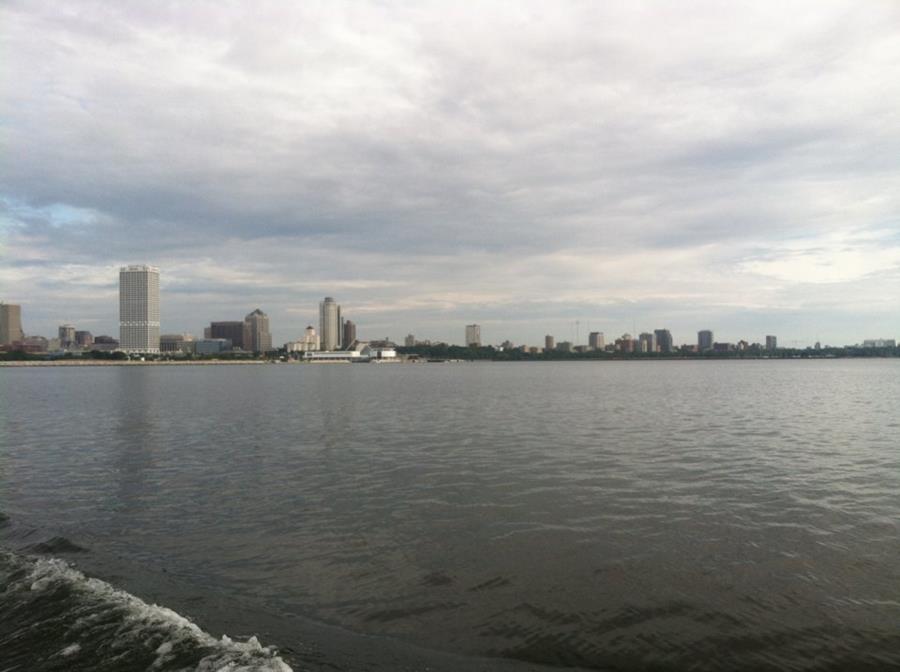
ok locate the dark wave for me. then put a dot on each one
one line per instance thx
(53, 617)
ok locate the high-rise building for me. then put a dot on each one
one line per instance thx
(84, 338)
(647, 342)
(139, 309)
(704, 340)
(664, 340)
(329, 324)
(10, 323)
(233, 331)
(66, 335)
(549, 343)
(409, 341)
(771, 343)
(258, 338)
(473, 335)
(596, 340)
(348, 337)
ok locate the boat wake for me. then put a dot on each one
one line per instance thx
(53, 617)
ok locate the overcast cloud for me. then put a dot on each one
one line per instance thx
(690, 165)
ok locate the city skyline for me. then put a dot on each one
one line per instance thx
(526, 170)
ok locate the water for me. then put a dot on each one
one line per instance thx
(614, 516)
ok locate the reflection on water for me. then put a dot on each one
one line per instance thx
(714, 514)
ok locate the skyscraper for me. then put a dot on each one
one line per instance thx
(473, 335)
(549, 343)
(595, 340)
(664, 340)
(329, 324)
(647, 342)
(234, 331)
(704, 340)
(771, 343)
(66, 335)
(257, 337)
(139, 309)
(10, 323)
(349, 336)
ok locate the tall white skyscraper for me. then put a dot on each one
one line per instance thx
(329, 324)
(139, 309)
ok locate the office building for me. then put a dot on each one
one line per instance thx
(66, 335)
(84, 338)
(234, 331)
(258, 338)
(329, 324)
(704, 340)
(565, 346)
(549, 343)
(139, 309)
(348, 337)
(664, 341)
(596, 340)
(10, 323)
(647, 342)
(409, 341)
(771, 343)
(473, 335)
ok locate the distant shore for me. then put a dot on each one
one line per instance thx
(125, 362)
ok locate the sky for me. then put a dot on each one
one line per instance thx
(533, 167)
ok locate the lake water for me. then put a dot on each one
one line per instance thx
(496, 516)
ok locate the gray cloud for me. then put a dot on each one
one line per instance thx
(519, 164)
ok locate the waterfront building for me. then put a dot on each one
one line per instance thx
(307, 343)
(34, 344)
(704, 340)
(105, 343)
(664, 341)
(84, 338)
(880, 343)
(258, 338)
(771, 343)
(11, 323)
(139, 309)
(647, 342)
(172, 343)
(234, 331)
(348, 336)
(564, 346)
(329, 324)
(66, 335)
(596, 340)
(626, 343)
(549, 343)
(212, 346)
(409, 341)
(473, 335)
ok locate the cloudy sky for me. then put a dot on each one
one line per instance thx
(523, 165)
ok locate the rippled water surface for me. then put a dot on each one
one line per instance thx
(627, 515)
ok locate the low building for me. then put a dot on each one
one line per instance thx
(105, 343)
(211, 346)
(174, 343)
(334, 356)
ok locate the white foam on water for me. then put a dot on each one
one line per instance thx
(70, 650)
(228, 655)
